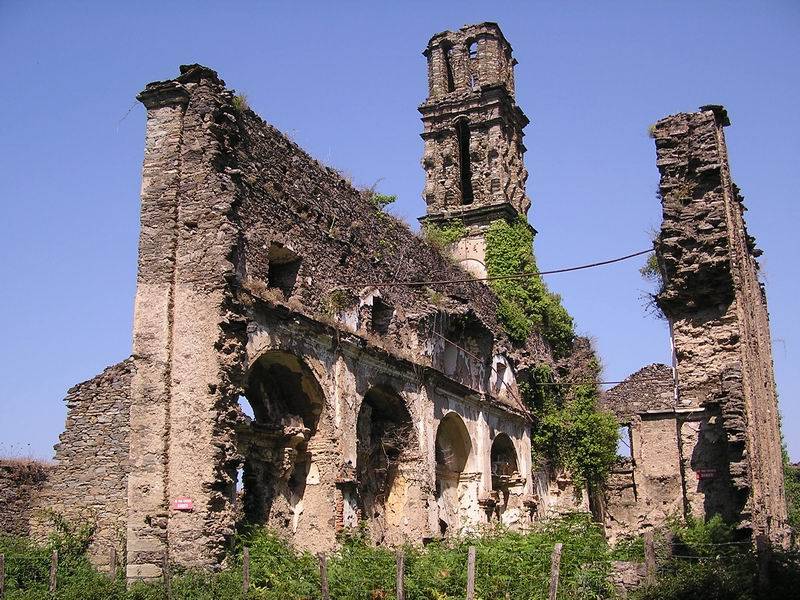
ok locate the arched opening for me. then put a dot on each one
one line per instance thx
(505, 472)
(285, 402)
(453, 448)
(385, 446)
(447, 51)
(464, 164)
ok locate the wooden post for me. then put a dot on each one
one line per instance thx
(555, 566)
(245, 571)
(2, 576)
(649, 558)
(471, 573)
(112, 563)
(167, 578)
(323, 575)
(400, 581)
(53, 571)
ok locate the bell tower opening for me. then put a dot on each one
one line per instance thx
(465, 167)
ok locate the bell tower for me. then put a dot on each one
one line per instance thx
(472, 128)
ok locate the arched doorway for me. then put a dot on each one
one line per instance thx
(505, 472)
(386, 447)
(453, 448)
(280, 440)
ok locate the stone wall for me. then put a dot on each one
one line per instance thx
(717, 311)
(246, 238)
(88, 484)
(21, 480)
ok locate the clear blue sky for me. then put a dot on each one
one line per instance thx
(344, 80)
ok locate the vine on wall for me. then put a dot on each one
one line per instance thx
(570, 431)
(525, 304)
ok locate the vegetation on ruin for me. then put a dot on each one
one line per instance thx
(525, 303)
(240, 102)
(445, 234)
(380, 201)
(570, 431)
(711, 560)
(791, 477)
(508, 565)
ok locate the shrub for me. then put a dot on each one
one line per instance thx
(441, 236)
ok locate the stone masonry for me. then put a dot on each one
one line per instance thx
(473, 160)
(722, 427)
(21, 481)
(89, 482)
(280, 375)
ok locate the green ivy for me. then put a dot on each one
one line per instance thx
(526, 303)
(445, 234)
(569, 430)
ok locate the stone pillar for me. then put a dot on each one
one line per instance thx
(152, 332)
(188, 339)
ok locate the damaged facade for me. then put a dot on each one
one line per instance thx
(705, 434)
(280, 375)
(266, 287)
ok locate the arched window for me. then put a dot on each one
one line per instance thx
(464, 164)
(385, 447)
(472, 49)
(447, 51)
(504, 461)
(283, 403)
(453, 449)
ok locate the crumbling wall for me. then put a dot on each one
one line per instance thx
(88, 483)
(717, 311)
(21, 481)
(242, 230)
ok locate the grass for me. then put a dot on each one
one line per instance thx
(508, 565)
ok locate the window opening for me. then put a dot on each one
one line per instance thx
(473, 50)
(448, 67)
(381, 316)
(625, 442)
(284, 265)
(463, 135)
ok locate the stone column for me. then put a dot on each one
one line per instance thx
(152, 331)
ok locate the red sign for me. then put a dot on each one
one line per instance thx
(185, 504)
(705, 473)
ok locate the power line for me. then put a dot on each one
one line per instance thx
(596, 382)
(503, 277)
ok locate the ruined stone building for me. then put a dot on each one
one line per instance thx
(704, 434)
(268, 286)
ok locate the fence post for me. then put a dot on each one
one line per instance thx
(167, 578)
(112, 563)
(649, 558)
(323, 575)
(2, 576)
(53, 571)
(471, 573)
(400, 582)
(245, 571)
(555, 566)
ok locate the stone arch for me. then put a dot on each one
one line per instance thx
(385, 454)
(284, 444)
(505, 469)
(453, 450)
